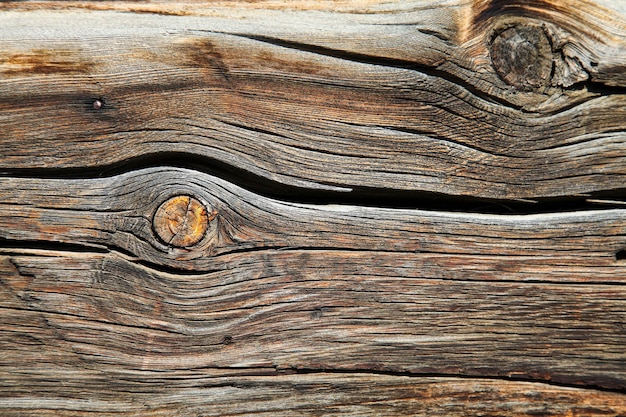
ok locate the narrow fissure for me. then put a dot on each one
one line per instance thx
(358, 196)
(582, 385)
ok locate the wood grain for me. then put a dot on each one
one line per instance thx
(277, 285)
(313, 395)
(266, 312)
(157, 257)
(399, 96)
(117, 212)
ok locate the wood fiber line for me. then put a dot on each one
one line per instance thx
(404, 97)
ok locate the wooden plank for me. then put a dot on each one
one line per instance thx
(122, 338)
(157, 257)
(310, 395)
(117, 212)
(267, 313)
(274, 285)
(403, 96)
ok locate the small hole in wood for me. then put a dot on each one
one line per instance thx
(620, 255)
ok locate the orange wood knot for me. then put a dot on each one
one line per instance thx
(522, 56)
(181, 221)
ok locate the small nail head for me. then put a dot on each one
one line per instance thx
(96, 105)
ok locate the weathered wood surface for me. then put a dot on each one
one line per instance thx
(389, 95)
(185, 226)
(277, 287)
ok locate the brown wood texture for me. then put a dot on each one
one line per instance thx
(283, 287)
(399, 95)
(316, 208)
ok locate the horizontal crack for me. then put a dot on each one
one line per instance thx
(377, 60)
(595, 387)
(358, 196)
(19, 246)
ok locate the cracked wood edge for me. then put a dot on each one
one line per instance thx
(393, 99)
(311, 395)
(117, 213)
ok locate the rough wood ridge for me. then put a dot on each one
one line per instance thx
(185, 227)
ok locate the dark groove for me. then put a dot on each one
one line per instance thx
(359, 196)
(592, 86)
(247, 250)
(615, 386)
(255, 129)
(52, 246)
(600, 135)
(603, 89)
(379, 61)
(434, 33)
(166, 269)
(132, 258)
(7, 245)
(439, 137)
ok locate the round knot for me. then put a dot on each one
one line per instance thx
(181, 221)
(522, 56)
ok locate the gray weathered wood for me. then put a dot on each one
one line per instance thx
(308, 287)
(310, 395)
(157, 257)
(223, 393)
(117, 212)
(401, 97)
